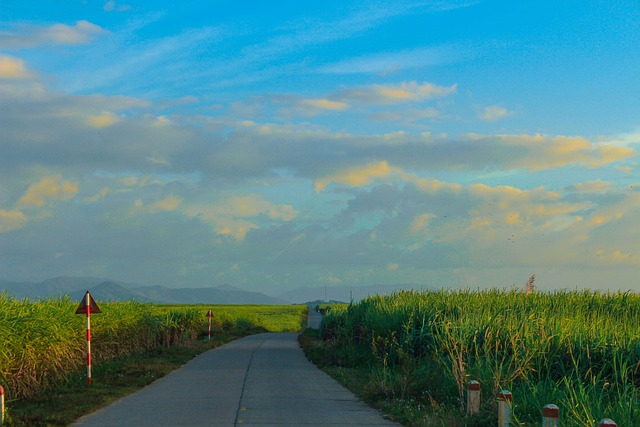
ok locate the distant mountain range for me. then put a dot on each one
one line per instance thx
(346, 293)
(106, 290)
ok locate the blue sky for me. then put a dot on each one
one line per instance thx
(279, 145)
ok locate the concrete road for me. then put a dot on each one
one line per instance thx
(260, 380)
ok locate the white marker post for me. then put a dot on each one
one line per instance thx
(87, 306)
(210, 315)
(550, 415)
(473, 397)
(504, 408)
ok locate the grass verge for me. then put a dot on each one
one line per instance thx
(66, 402)
(389, 390)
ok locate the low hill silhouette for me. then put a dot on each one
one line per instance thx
(107, 290)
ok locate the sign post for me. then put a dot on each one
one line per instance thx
(88, 306)
(1, 405)
(210, 315)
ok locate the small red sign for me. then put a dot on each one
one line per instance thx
(93, 307)
(209, 314)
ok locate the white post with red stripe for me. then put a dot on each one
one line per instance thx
(607, 422)
(550, 415)
(87, 306)
(210, 315)
(473, 397)
(1, 405)
(504, 408)
(88, 303)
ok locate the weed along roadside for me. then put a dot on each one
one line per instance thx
(42, 362)
(478, 358)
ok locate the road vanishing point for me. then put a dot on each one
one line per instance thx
(259, 380)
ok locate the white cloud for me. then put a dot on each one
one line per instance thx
(357, 176)
(616, 257)
(26, 36)
(379, 94)
(593, 186)
(103, 120)
(82, 32)
(11, 220)
(49, 188)
(324, 104)
(494, 112)
(13, 68)
(622, 140)
(112, 6)
(170, 203)
(104, 191)
(392, 62)
(236, 216)
(540, 152)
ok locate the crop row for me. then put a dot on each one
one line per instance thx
(42, 342)
(579, 350)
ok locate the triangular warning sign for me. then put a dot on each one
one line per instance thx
(93, 307)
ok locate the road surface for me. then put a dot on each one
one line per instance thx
(260, 380)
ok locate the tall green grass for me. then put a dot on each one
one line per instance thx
(271, 318)
(579, 350)
(42, 342)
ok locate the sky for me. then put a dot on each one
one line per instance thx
(286, 144)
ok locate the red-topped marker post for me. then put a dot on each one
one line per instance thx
(550, 415)
(88, 306)
(473, 397)
(505, 398)
(210, 315)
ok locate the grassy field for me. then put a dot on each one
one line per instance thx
(415, 352)
(271, 318)
(43, 349)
